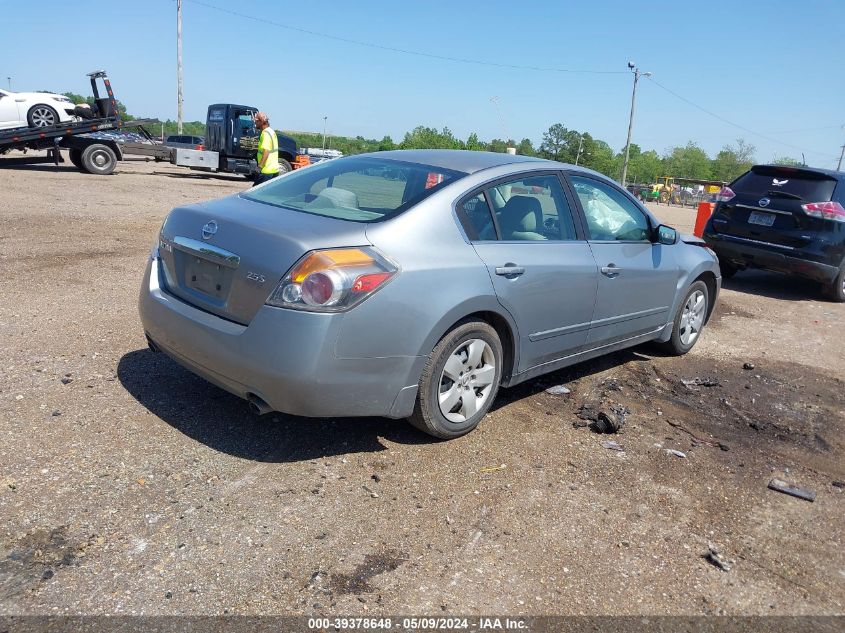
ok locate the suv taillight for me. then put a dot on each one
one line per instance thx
(825, 210)
(725, 194)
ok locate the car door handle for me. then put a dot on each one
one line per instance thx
(611, 270)
(510, 270)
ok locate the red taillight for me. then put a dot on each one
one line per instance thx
(200, 147)
(725, 194)
(368, 283)
(320, 288)
(825, 210)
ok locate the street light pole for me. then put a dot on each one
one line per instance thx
(9, 79)
(637, 75)
(324, 133)
(179, 99)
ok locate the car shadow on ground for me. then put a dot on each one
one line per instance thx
(223, 422)
(642, 353)
(774, 285)
(205, 175)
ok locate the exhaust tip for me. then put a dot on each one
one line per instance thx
(257, 405)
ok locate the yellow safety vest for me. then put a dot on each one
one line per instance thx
(269, 142)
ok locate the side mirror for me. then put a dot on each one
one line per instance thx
(666, 235)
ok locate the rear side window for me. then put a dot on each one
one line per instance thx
(477, 219)
(807, 186)
(357, 189)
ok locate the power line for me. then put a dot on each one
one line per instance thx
(407, 51)
(731, 123)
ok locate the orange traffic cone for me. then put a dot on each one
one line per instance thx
(705, 210)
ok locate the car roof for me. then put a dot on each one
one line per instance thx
(466, 161)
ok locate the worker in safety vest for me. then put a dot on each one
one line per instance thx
(268, 149)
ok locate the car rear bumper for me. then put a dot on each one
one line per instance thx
(285, 357)
(751, 253)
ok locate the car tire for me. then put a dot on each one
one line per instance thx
(75, 155)
(460, 381)
(42, 116)
(284, 166)
(689, 320)
(99, 159)
(836, 291)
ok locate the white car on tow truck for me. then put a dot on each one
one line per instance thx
(34, 109)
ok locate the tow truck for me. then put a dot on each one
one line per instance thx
(231, 140)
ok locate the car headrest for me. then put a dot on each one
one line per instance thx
(338, 197)
(521, 214)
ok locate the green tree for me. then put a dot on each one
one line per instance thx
(422, 137)
(526, 148)
(499, 145)
(732, 161)
(689, 161)
(787, 161)
(474, 144)
(559, 143)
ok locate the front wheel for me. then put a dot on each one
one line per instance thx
(459, 381)
(689, 320)
(42, 116)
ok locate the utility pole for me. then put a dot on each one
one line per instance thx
(637, 75)
(179, 99)
(841, 154)
(324, 134)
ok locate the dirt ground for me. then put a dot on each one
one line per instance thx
(130, 486)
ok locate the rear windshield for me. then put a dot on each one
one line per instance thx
(357, 189)
(791, 182)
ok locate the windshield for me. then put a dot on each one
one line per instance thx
(357, 189)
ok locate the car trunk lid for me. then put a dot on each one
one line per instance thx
(227, 256)
(767, 206)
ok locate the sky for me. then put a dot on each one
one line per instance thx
(772, 73)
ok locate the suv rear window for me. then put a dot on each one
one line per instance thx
(761, 181)
(357, 189)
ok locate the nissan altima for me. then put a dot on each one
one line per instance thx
(413, 284)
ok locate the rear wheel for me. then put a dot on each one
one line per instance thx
(689, 320)
(42, 116)
(99, 159)
(284, 166)
(836, 290)
(460, 381)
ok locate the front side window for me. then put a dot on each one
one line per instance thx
(357, 189)
(610, 215)
(533, 208)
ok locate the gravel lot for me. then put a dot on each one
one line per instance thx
(129, 486)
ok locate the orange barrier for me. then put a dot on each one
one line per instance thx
(705, 210)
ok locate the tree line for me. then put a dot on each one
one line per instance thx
(558, 143)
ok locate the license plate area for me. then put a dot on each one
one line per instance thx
(762, 219)
(207, 277)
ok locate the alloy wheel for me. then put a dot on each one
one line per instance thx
(692, 318)
(466, 382)
(43, 116)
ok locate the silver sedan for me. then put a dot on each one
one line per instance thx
(413, 284)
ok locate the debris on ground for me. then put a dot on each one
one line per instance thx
(838, 484)
(558, 390)
(748, 366)
(674, 452)
(701, 382)
(492, 469)
(373, 493)
(697, 439)
(613, 446)
(716, 559)
(785, 487)
(609, 419)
